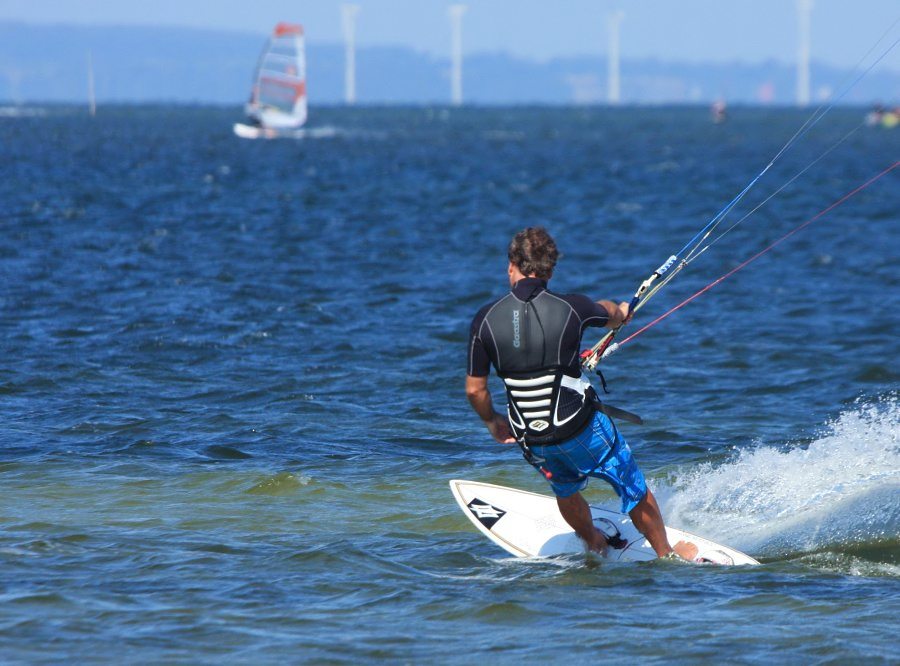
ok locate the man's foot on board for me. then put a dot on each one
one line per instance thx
(686, 550)
(598, 544)
(683, 550)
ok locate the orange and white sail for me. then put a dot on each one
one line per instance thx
(278, 97)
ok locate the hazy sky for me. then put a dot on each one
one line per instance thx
(844, 32)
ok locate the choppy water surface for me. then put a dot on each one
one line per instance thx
(232, 386)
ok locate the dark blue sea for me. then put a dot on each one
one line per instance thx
(232, 385)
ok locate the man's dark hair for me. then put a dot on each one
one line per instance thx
(533, 252)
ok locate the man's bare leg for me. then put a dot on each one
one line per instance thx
(577, 514)
(648, 519)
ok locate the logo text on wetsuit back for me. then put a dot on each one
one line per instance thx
(516, 342)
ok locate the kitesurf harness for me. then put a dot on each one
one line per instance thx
(547, 407)
(534, 407)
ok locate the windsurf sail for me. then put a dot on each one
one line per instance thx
(278, 97)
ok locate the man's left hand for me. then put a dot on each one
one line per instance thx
(499, 429)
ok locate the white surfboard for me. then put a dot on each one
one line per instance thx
(528, 524)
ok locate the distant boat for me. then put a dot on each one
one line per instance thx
(277, 106)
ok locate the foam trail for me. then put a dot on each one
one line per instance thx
(841, 489)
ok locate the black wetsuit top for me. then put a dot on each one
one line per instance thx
(532, 337)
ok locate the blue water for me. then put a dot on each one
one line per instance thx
(232, 385)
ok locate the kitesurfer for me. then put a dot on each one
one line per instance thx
(532, 337)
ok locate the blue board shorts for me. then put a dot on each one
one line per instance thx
(599, 451)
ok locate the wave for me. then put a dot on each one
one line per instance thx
(839, 493)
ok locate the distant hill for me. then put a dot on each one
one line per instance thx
(48, 64)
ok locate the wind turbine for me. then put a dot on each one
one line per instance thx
(613, 95)
(348, 14)
(456, 13)
(804, 9)
(92, 97)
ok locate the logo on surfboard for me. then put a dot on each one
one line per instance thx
(488, 515)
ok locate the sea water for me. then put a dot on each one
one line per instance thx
(232, 384)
